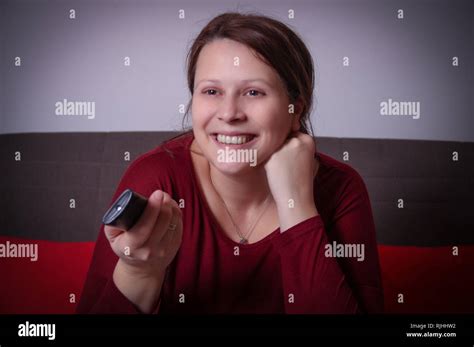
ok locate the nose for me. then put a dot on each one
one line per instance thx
(229, 110)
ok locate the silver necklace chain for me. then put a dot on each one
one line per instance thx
(243, 239)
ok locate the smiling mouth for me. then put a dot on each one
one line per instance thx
(233, 140)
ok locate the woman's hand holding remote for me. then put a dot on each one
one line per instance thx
(146, 250)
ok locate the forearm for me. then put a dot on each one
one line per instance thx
(312, 282)
(142, 290)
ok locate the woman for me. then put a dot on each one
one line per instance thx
(244, 216)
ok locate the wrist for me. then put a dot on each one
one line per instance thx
(141, 273)
(295, 201)
(141, 288)
(290, 215)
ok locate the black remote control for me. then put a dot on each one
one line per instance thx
(126, 210)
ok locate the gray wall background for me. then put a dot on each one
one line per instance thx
(83, 60)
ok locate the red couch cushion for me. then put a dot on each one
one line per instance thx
(431, 279)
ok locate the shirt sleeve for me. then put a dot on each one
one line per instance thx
(316, 279)
(100, 294)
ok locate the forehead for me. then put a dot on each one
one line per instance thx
(227, 57)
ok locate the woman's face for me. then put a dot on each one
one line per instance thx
(240, 108)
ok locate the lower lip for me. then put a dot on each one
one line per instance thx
(233, 145)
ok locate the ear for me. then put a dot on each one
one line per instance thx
(298, 109)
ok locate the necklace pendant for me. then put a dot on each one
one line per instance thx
(243, 241)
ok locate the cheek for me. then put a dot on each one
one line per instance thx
(200, 112)
(274, 116)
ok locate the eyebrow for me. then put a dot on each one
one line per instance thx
(244, 81)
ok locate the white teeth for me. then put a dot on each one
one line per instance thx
(233, 140)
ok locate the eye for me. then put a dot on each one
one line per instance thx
(213, 92)
(254, 92)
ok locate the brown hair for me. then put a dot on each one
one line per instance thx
(278, 45)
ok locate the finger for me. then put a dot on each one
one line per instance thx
(176, 218)
(141, 231)
(174, 233)
(308, 140)
(169, 220)
(151, 212)
(303, 137)
(152, 224)
(111, 233)
(291, 136)
(162, 221)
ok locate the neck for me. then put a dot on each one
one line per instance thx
(241, 192)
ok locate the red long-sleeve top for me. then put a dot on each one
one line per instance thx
(290, 272)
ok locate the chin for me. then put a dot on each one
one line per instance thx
(233, 169)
